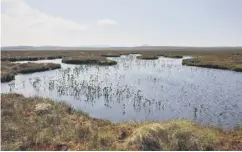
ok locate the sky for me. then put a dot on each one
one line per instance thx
(121, 22)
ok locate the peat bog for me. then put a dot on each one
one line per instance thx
(134, 102)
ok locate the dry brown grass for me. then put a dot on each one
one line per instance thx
(9, 70)
(41, 124)
(231, 61)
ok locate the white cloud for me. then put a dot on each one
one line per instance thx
(106, 22)
(24, 25)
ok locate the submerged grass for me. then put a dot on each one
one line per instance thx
(154, 56)
(9, 70)
(41, 124)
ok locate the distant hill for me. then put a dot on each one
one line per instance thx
(104, 47)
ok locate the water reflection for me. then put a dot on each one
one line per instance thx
(140, 90)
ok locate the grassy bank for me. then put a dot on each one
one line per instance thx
(41, 124)
(88, 60)
(9, 70)
(215, 63)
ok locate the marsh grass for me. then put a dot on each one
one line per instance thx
(29, 58)
(174, 135)
(170, 55)
(92, 59)
(107, 62)
(229, 59)
(9, 70)
(41, 124)
(233, 63)
(147, 57)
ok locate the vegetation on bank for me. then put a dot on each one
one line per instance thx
(214, 58)
(147, 57)
(213, 62)
(41, 124)
(88, 60)
(29, 58)
(172, 56)
(9, 70)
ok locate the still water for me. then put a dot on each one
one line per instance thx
(140, 90)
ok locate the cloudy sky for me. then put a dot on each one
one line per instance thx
(121, 22)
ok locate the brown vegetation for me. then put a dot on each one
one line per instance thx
(230, 62)
(41, 124)
(9, 70)
(147, 57)
(88, 60)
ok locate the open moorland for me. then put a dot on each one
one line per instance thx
(37, 123)
(220, 59)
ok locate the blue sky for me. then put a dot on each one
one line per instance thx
(122, 22)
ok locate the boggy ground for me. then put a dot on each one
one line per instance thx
(9, 70)
(228, 59)
(232, 62)
(41, 124)
(99, 60)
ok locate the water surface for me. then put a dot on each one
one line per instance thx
(140, 90)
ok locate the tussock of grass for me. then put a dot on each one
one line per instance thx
(177, 135)
(41, 124)
(9, 70)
